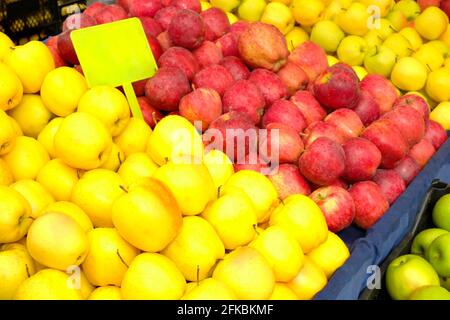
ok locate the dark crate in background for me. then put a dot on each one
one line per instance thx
(25, 20)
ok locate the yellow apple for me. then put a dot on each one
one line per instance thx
(232, 18)
(354, 20)
(16, 265)
(26, 158)
(57, 241)
(195, 264)
(360, 72)
(47, 136)
(307, 12)
(399, 45)
(441, 114)
(16, 215)
(95, 193)
(251, 10)
(82, 141)
(445, 37)
(208, 289)
(431, 23)
(108, 258)
(106, 293)
(309, 281)
(397, 19)
(7, 134)
(438, 85)
(440, 46)
(409, 74)
(384, 6)
(174, 138)
(108, 105)
(430, 57)
(352, 50)
(410, 8)
(73, 211)
(260, 190)
(233, 217)
(58, 178)
(333, 7)
(413, 37)
(246, 272)
(31, 104)
(5, 45)
(6, 177)
(219, 166)
(191, 185)
(147, 210)
(380, 60)
(152, 276)
(327, 34)
(281, 291)
(279, 15)
(296, 37)
(205, 5)
(115, 159)
(281, 250)
(62, 89)
(373, 38)
(303, 218)
(332, 60)
(134, 137)
(47, 284)
(225, 5)
(31, 63)
(11, 89)
(37, 196)
(137, 166)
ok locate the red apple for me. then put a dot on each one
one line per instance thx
(193, 5)
(435, 134)
(208, 54)
(311, 58)
(323, 162)
(110, 13)
(144, 8)
(253, 162)
(236, 67)
(228, 43)
(66, 49)
(381, 89)
(409, 122)
(77, 21)
(422, 152)
(370, 203)
(320, 129)
(293, 77)
(284, 111)
(216, 23)
(390, 183)
(166, 88)
(165, 15)
(389, 140)
(151, 115)
(362, 158)
(59, 61)
(155, 47)
(215, 77)
(234, 134)
(408, 169)
(151, 26)
(203, 105)
(280, 143)
(367, 108)
(337, 206)
(347, 122)
(270, 85)
(52, 42)
(164, 40)
(262, 45)
(337, 87)
(445, 6)
(94, 8)
(239, 27)
(187, 29)
(181, 58)
(288, 180)
(416, 102)
(79, 69)
(124, 4)
(139, 87)
(428, 3)
(311, 109)
(244, 96)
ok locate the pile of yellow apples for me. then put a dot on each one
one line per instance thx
(391, 38)
(94, 204)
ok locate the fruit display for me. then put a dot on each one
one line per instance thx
(267, 129)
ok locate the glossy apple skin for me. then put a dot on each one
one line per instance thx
(423, 240)
(381, 89)
(288, 142)
(252, 162)
(288, 181)
(416, 102)
(337, 206)
(438, 254)
(370, 203)
(367, 108)
(408, 169)
(208, 54)
(362, 159)
(310, 108)
(311, 58)
(347, 121)
(284, 111)
(430, 293)
(409, 122)
(180, 58)
(293, 77)
(322, 129)
(435, 134)
(422, 152)
(150, 114)
(407, 273)
(236, 67)
(269, 84)
(391, 183)
(216, 23)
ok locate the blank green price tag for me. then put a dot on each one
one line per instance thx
(115, 54)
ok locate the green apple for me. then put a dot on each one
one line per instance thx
(352, 50)
(354, 19)
(430, 56)
(430, 293)
(409, 8)
(438, 254)
(441, 213)
(251, 10)
(423, 240)
(407, 273)
(445, 282)
(399, 44)
(327, 34)
(226, 5)
(380, 60)
(397, 19)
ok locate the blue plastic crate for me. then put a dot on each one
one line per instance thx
(373, 247)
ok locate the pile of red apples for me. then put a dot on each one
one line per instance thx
(353, 146)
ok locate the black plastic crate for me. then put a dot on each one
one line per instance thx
(423, 221)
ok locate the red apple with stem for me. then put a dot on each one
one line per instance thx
(151, 115)
(409, 122)
(293, 77)
(381, 89)
(311, 110)
(216, 23)
(311, 58)
(322, 129)
(347, 122)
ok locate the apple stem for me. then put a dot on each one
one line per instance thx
(121, 259)
(123, 188)
(256, 230)
(78, 174)
(282, 201)
(198, 275)
(120, 159)
(218, 191)
(28, 270)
